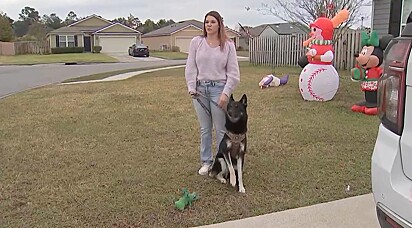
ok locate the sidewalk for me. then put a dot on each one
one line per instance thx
(354, 212)
(123, 76)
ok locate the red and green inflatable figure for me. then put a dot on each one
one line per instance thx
(368, 70)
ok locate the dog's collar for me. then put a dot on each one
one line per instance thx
(236, 138)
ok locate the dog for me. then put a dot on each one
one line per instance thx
(229, 160)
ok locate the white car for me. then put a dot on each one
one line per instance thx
(392, 156)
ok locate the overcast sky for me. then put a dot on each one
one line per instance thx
(233, 11)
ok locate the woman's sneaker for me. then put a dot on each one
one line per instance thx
(204, 170)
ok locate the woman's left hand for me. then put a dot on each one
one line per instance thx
(223, 100)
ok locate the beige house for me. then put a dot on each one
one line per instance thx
(179, 35)
(95, 31)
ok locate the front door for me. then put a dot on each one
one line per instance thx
(87, 44)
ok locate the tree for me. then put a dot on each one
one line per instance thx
(29, 14)
(70, 18)
(161, 23)
(52, 21)
(133, 22)
(304, 12)
(21, 28)
(120, 20)
(38, 31)
(6, 30)
(170, 22)
(148, 26)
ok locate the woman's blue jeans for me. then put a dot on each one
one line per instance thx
(212, 90)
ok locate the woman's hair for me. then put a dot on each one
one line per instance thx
(221, 32)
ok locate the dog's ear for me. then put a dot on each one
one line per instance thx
(244, 100)
(231, 97)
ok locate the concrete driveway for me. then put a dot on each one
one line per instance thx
(358, 211)
(126, 58)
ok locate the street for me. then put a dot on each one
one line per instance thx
(15, 79)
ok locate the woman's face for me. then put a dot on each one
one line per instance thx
(211, 25)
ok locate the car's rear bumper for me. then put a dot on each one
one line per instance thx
(392, 190)
(141, 53)
(388, 218)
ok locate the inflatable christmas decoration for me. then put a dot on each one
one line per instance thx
(272, 81)
(319, 80)
(368, 70)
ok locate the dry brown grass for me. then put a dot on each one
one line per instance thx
(117, 154)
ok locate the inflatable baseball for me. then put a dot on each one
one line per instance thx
(319, 80)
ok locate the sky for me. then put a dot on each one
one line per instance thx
(233, 11)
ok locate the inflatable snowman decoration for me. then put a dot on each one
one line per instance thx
(319, 80)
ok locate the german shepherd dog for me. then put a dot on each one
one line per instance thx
(232, 148)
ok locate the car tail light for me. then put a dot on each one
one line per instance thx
(392, 85)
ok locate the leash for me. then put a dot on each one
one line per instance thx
(204, 106)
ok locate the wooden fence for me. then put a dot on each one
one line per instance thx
(286, 50)
(31, 47)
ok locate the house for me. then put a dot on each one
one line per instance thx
(278, 29)
(389, 16)
(269, 30)
(95, 31)
(179, 35)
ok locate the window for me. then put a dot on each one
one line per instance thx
(66, 41)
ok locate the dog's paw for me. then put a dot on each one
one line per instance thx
(242, 190)
(223, 181)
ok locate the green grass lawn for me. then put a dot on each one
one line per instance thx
(108, 74)
(117, 154)
(168, 55)
(57, 58)
(181, 55)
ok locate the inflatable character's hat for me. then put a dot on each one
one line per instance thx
(328, 25)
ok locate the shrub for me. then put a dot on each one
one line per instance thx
(97, 49)
(61, 50)
(175, 49)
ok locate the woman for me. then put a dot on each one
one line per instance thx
(212, 73)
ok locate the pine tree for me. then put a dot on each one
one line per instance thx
(6, 30)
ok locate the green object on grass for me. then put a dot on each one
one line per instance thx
(186, 199)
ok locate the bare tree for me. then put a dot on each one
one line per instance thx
(303, 12)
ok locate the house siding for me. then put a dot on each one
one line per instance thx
(381, 11)
(80, 41)
(155, 43)
(117, 28)
(52, 41)
(234, 37)
(268, 32)
(92, 22)
(189, 32)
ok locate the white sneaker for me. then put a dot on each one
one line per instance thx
(204, 170)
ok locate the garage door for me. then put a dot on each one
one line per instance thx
(183, 43)
(116, 44)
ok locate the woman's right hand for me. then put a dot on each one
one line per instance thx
(193, 94)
